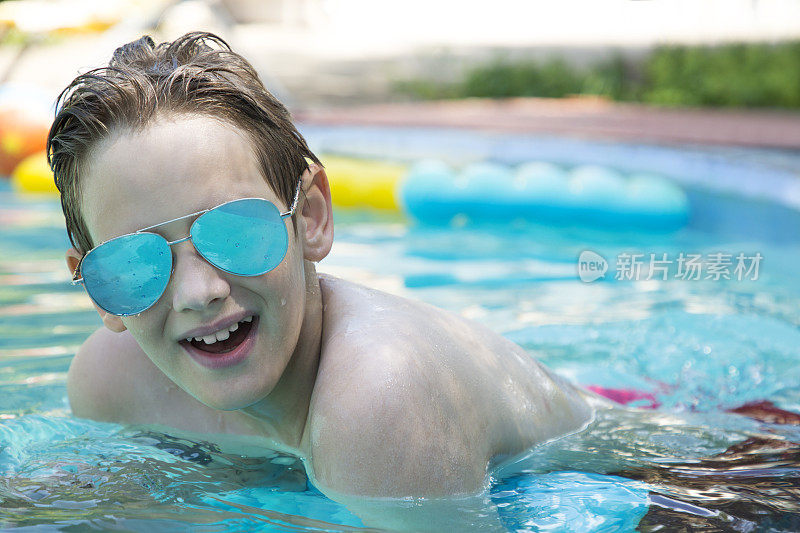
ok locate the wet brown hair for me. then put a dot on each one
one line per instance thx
(197, 73)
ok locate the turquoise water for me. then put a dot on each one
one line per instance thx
(695, 348)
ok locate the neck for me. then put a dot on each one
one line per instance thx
(282, 415)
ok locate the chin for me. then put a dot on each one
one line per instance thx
(228, 401)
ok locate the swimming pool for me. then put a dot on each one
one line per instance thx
(693, 348)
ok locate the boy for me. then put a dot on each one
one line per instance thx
(196, 213)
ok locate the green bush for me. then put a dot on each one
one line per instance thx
(501, 79)
(736, 75)
(739, 75)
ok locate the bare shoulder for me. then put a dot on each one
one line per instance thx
(411, 399)
(95, 382)
(111, 379)
(388, 432)
(376, 415)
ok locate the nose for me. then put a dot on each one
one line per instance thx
(196, 284)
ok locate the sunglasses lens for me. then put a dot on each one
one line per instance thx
(128, 274)
(245, 237)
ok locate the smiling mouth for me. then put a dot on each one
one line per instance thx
(227, 345)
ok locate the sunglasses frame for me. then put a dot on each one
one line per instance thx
(78, 280)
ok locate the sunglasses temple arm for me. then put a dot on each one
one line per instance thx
(75, 275)
(296, 197)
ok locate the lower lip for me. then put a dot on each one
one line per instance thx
(223, 360)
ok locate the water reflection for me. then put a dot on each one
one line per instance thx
(706, 472)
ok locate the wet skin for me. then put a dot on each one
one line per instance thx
(379, 395)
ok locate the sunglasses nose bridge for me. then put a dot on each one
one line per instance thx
(192, 249)
(188, 237)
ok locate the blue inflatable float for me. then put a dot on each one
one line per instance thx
(434, 193)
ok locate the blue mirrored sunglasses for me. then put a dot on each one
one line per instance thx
(128, 274)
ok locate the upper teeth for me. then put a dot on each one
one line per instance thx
(220, 335)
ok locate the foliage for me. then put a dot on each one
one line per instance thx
(752, 75)
(735, 75)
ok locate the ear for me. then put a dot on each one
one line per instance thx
(112, 322)
(317, 213)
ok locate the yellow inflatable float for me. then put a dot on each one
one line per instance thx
(363, 183)
(33, 175)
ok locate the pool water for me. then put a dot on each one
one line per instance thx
(693, 349)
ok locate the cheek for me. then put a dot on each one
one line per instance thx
(287, 299)
(145, 328)
(291, 291)
(292, 273)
